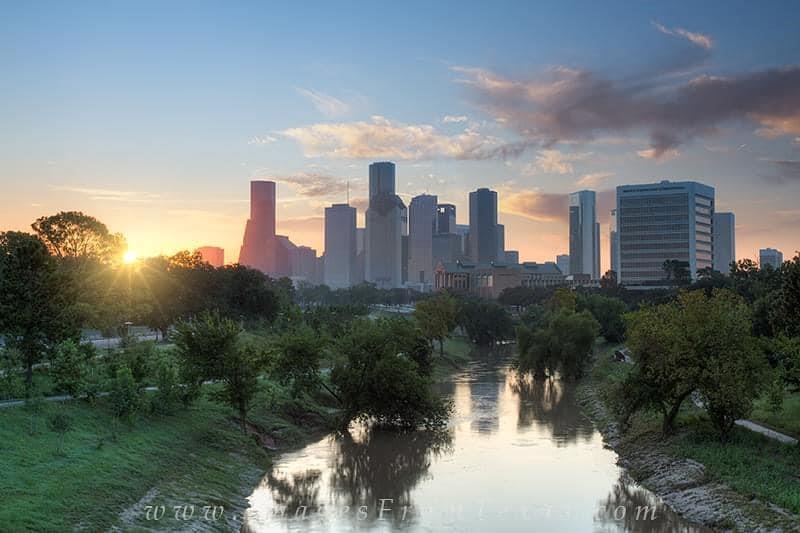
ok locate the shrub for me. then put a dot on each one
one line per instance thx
(124, 394)
(12, 384)
(66, 367)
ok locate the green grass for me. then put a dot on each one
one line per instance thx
(195, 457)
(751, 464)
(786, 421)
(458, 351)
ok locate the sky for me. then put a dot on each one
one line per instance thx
(154, 116)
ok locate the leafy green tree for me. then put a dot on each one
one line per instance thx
(60, 423)
(71, 234)
(485, 322)
(296, 361)
(677, 272)
(563, 299)
(407, 338)
(789, 302)
(245, 293)
(12, 385)
(564, 344)
(436, 317)
(608, 312)
(239, 372)
(201, 346)
(168, 394)
(36, 303)
(376, 381)
(697, 343)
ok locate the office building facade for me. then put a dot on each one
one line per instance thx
(770, 257)
(659, 222)
(422, 219)
(341, 249)
(483, 230)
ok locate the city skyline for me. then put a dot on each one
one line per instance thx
(137, 133)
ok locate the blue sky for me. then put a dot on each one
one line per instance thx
(154, 116)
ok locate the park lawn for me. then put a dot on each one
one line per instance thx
(786, 421)
(198, 456)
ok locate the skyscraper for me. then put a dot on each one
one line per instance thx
(213, 255)
(584, 238)
(724, 241)
(340, 246)
(422, 224)
(666, 221)
(384, 228)
(261, 249)
(445, 218)
(613, 238)
(770, 257)
(501, 243)
(483, 230)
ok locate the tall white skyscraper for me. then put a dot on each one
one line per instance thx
(584, 238)
(384, 222)
(422, 225)
(340, 246)
(724, 241)
(666, 221)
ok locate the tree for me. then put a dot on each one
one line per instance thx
(67, 367)
(677, 272)
(375, 380)
(296, 360)
(564, 344)
(201, 345)
(436, 317)
(563, 299)
(697, 343)
(609, 281)
(485, 322)
(239, 374)
(244, 293)
(36, 305)
(71, 234)
(125, 396)
(790, 295)
(608, 312)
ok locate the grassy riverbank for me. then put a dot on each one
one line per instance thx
(105, 473)
(756, 468)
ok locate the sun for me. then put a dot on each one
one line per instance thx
(130, 257)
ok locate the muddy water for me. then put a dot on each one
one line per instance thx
(517, 456)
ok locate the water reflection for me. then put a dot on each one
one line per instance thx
(518, 456)
(633, 508)
(551, 405)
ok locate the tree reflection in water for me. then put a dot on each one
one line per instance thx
(302, 490)
(550, 403)
(384, 465)
(631, 508)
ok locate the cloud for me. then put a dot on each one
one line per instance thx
(568, 105)
(593, 179)
(697, 38)
(784, 171)
(325, 103)
(266, 139)
(382, 138)
(109, 195)
(554, 162)
(535, 205)
(652, 153)
(361, 204)
(450, 119)
(312, 184)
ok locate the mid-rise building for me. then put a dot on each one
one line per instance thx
(422, 213)
(341, 247)
(304, 264)
(724, 241)
(584, 238)
(770, 257)
(659, 222)
(562, 262)
(483, 230)
(213, 255)
(384, 225)
(512, 257)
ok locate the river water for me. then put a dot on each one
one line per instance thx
(516, 456)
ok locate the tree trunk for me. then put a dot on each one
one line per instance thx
(28, 376)
(242, 418)
(441, 347)
(668, 426)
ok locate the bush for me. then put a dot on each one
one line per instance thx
(169, 393)
(124, 395)
(59, 423)
(12, 384)
(66, 367)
